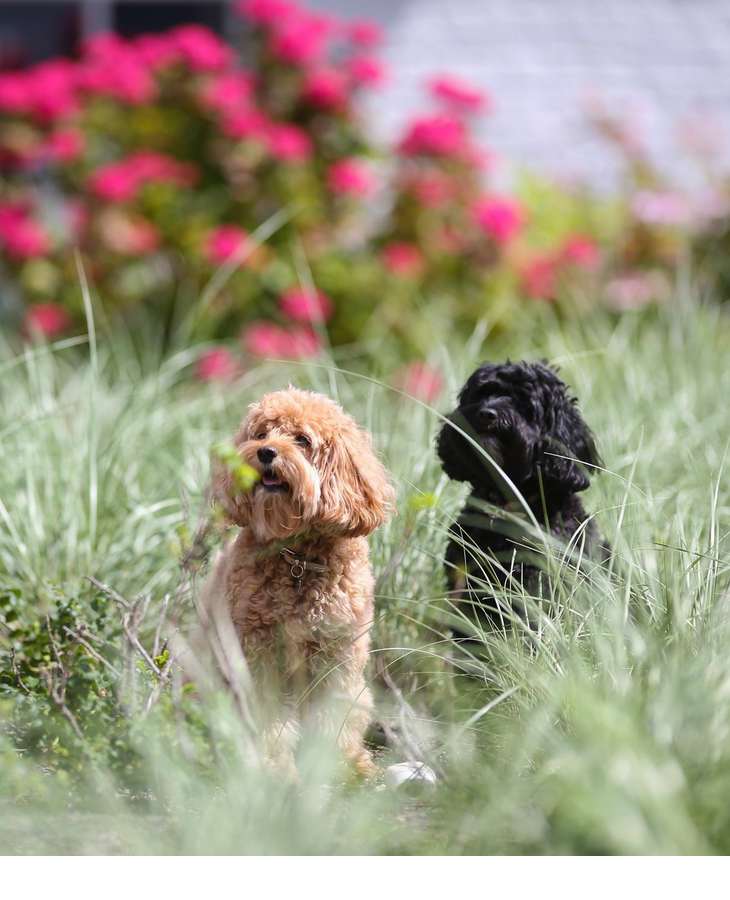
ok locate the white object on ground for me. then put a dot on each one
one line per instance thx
(413, 777)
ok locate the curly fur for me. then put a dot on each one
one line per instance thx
(524, 418)
(307, 648)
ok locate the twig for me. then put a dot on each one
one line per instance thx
(59, 698)
(135, 642)
(54, 645)
(16, 671)
(109, 592)
(164, 674)
(93, 652)
(131, 636)
(57, 691)
(158, 630)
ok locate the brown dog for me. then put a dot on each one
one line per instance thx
(297, 578)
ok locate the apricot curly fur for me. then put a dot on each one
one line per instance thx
(307, 647)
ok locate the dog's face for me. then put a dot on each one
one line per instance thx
(317, 470)
(523, 417)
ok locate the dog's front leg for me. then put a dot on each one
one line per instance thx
(280, 739)
(279, 720)
(344, 707)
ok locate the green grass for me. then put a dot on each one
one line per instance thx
(603, 730)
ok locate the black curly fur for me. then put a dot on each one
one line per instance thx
(523, 416)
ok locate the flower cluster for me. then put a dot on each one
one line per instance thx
(121, 182)
(21, 236)
(167, 157)
(167, 153)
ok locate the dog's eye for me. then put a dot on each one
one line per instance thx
(303, 440)
(261, 436)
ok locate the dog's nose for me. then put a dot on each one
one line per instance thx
(267, 454)
(488, 416)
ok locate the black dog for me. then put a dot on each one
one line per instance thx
(524, 418)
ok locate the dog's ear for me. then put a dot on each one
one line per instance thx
(568, 449)
(451, 447)
(356, 497)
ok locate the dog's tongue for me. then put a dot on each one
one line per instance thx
(269, 480)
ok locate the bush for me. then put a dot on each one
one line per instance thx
(209, 197)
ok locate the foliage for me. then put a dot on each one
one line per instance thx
(603, 730)
(183, 171)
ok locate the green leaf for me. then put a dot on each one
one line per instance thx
(243, 475)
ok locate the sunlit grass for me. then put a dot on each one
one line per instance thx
(604, 727)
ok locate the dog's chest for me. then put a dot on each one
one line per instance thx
(313, 607)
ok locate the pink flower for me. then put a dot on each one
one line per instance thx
(27, 239)
(228, 91)
(301, 343)
(501, 217)
(103, 45)
(304, 306)
(120, 182)
(116, 68)
(243, 124)
(201, 48)
(224, 242)
(301, 41)
(115, 183)
(10, 215)
(48, 319)
(403, 259)
(53, 87)
(262, 339)
(66, 145)
(266, 12)
(458, 95)
(128, 235)
(635, 290)
(265, 339)
(661, 208)
(158, 51)
(148, 165)
(133, 83)
(326, 89)
(433, 190)
(437, 135)
(365, 33)
(538, 278)
(420, 380)
(123, 77)
(216, 364)
(289, 143)
(15, 93)
(581, 251)
(350, 177)
(365, 70)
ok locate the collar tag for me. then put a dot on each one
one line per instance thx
(299, 566)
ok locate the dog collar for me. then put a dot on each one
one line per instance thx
(299, 566)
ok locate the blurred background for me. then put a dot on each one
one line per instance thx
(664, 62)
(356, 180)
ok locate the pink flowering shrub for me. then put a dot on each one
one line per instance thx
(166, 153)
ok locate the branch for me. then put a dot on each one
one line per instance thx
(109, 592)
(93, 652)
(16, 671)
(131, 636)
(58, 698)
